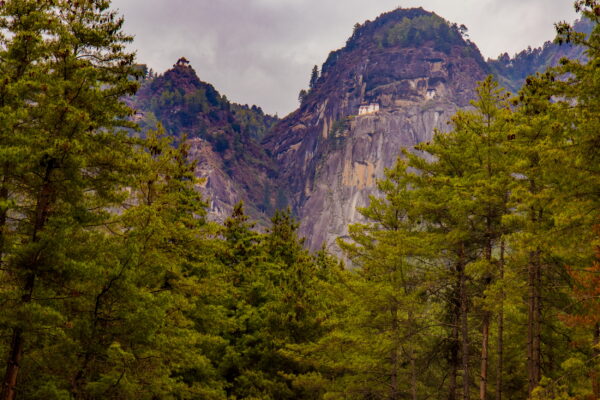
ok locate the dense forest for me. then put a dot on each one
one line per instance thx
(477, 275)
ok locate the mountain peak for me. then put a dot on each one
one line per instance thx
(410, 27)
(404, 29)
(182, 76)
(182, 63)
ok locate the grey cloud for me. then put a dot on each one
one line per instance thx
(261, 51)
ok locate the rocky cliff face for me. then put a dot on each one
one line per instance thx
(412, 64)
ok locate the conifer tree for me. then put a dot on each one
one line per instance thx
(582, 90)
(139, 341)
(302, 95)
(484, 136)
(274, 304)
(97, 225)
(64, 69)
(564, 102)
(314, 77)
(390, 310)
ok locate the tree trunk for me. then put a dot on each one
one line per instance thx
(464, 331)
(500, 349)
(530, 323)
(411, 354)
(596, 355)
(485, 333)
(15, 357)
(485, 324)
(14, 363)
(454, 346)
(534, 321)
(537, 339)
(413, 379)
(45, 199)
(534, 304)
(394, 389)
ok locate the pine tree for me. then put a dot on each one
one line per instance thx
(302, 95)
(484, 137)
(443, 221)
(314, 77)
(274, 304)
(584, 317)
(64, 68)
(97, 225)
(159, 285)
(582, 89)
(384, 327)
(565, 102)
(248, 360)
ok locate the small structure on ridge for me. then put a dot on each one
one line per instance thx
(182, 62)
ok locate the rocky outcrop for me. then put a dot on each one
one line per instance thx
(330, 157)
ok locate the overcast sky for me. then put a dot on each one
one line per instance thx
(262, 51)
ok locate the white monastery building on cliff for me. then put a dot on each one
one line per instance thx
(368, 108)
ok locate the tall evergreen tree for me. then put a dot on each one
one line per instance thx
(385, 325)
(64, 69)
(314, 77)
(566, 98)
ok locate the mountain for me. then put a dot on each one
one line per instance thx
(224, 138)
(412, 65)
(397, 79)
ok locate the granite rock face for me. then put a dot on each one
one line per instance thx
(330, 156)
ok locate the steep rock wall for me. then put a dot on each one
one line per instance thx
(330, 157)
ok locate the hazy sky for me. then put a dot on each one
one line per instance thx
(262, 51)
